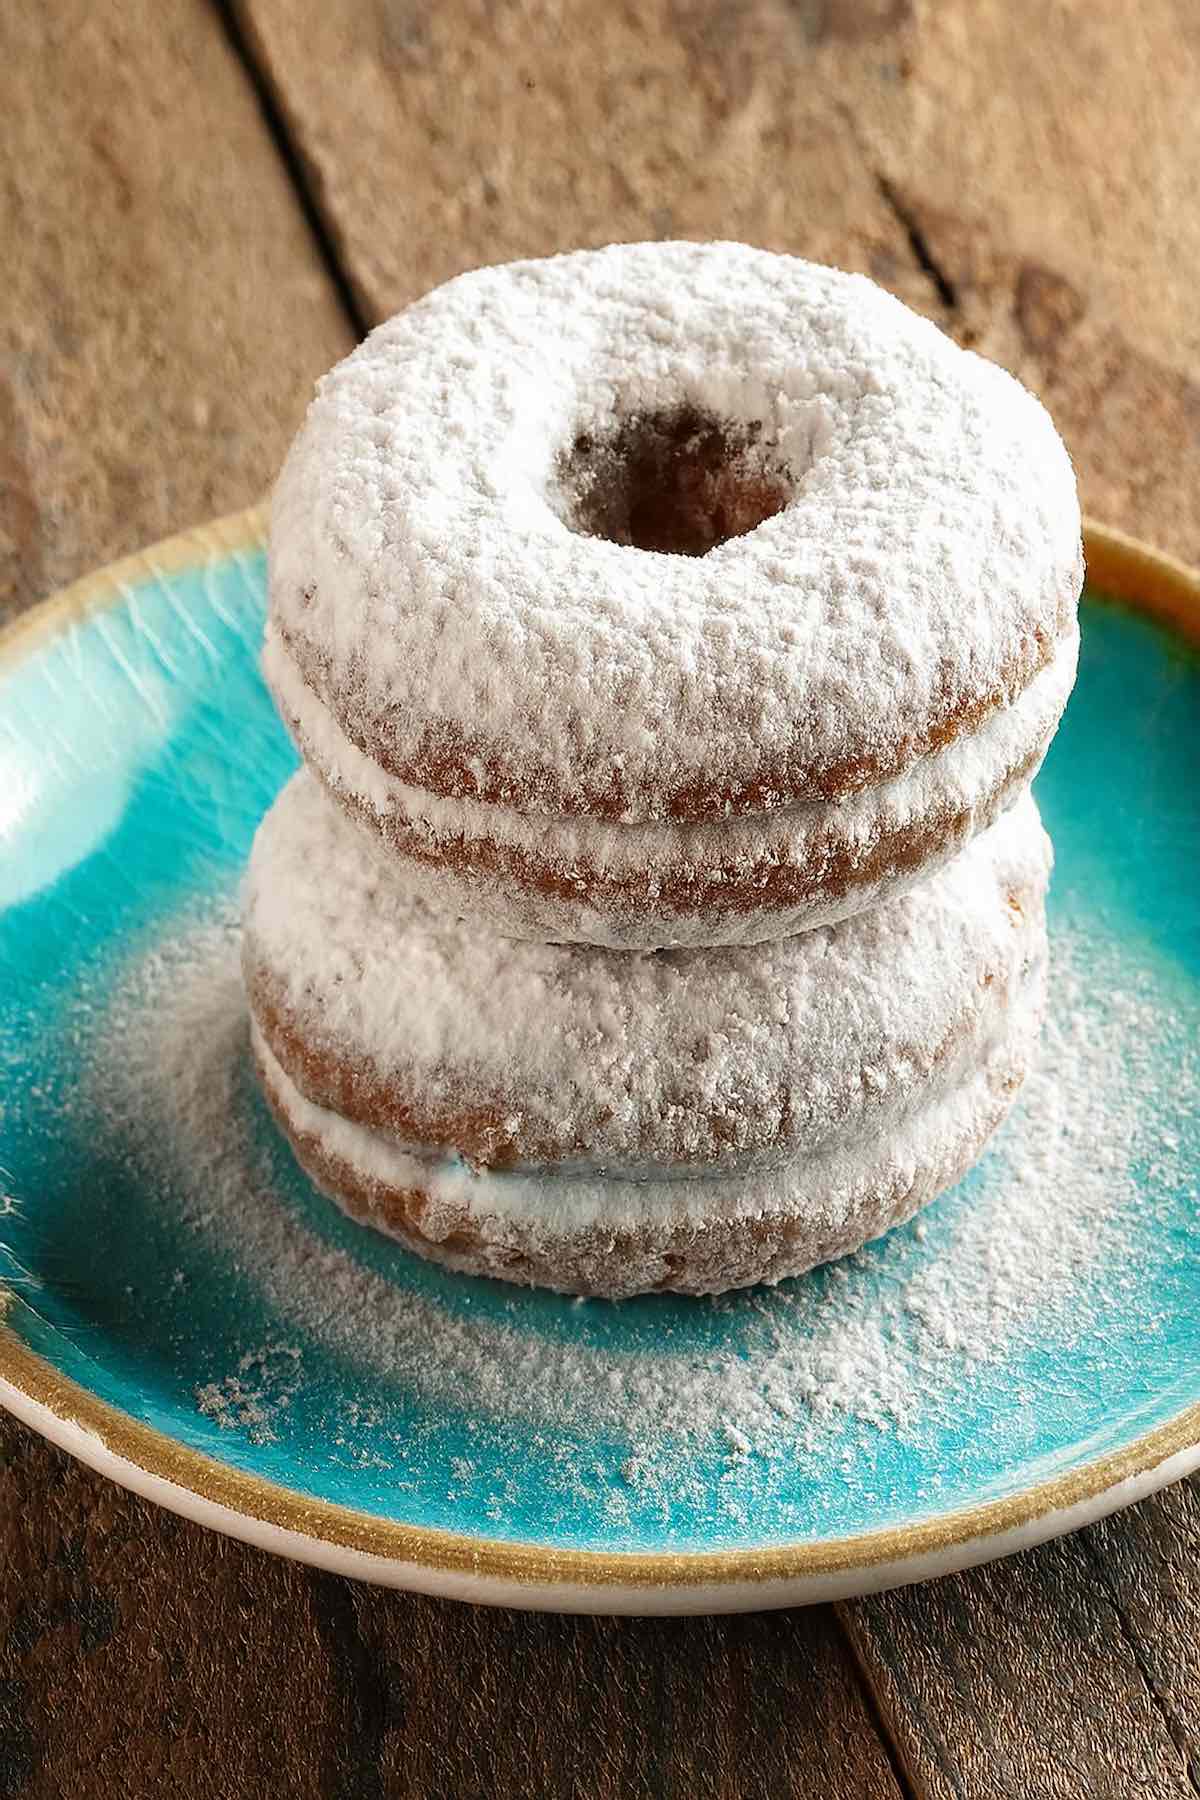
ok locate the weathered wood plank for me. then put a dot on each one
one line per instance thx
(438, 138)
(140, 1655)
(1144, 1564)
(1069, 1673)
(1046, 157)
(1024, 173)
(444, 1699)
(163, 312)
(162, 317)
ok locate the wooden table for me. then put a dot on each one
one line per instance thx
(202, 209)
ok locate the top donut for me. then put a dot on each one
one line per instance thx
(671, 593)
(469, 571)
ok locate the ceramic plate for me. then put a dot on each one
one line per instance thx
(184, 1313)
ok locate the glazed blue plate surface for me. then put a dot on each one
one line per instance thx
(193, 1279)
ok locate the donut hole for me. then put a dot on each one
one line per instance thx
(679, 482)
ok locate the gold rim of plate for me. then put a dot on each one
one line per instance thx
(1118, 566)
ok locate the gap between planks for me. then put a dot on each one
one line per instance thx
(239, 35)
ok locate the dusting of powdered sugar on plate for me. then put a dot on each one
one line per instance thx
(253, 1396)
(886, 1342)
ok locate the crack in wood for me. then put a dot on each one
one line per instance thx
(918, 243)
(1175, 1731)
(354, 1757)
(240, 42)
(872, 1701)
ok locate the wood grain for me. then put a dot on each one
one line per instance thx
(1069, 1673)
(439, 138)
(1045, 156)
(164, 311)
(143, 1656)
(1023, 172)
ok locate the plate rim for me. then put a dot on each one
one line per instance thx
(140, 1456)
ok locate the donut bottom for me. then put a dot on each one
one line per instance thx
(612, 1238)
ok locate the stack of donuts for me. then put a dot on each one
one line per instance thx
(671, 634)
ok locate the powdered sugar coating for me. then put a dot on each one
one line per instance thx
(559, 1056)
(732, 880)
(430, 592)
(605, 1236)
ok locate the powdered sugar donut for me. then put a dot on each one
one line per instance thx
(672, 593)
(612, 1123)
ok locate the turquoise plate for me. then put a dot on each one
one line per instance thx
(181, 1310)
